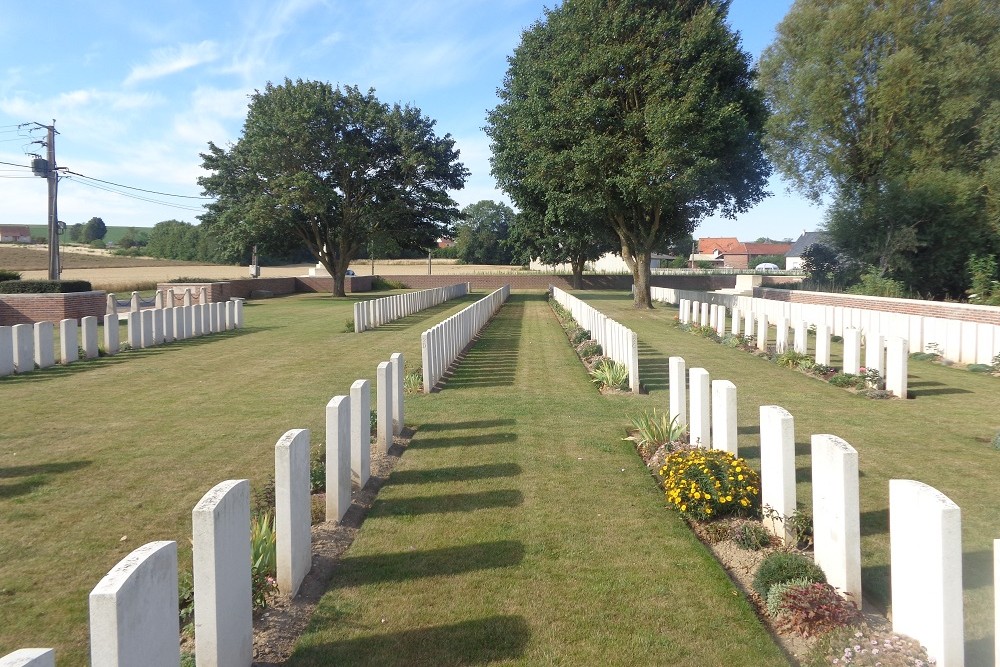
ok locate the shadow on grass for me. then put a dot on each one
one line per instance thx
(875, 522)
(476, 425)
(917, 393)
(475, 642)
(463, 440)
(456, 473)
(491, 360)
(31, 477)
(654, 368)
(446, 561)
(449, 503)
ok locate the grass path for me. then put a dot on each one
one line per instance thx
(941, 438)
(519, 529)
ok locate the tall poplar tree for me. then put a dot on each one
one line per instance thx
(640, 113)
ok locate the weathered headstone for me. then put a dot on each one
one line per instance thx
(44, 342)
(361, 432)
(925, 546)
(338, 457)
(678, 390)
(223, 603)
(292, 510)
(781, 335)
(134, 611)
(724, 427)
(837, 513)
(701, 417)
(777, 470)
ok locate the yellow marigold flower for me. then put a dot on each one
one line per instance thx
(739, 477)
(708, 510)
(684, 508)
(729, 498)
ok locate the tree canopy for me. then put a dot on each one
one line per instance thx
(93, 230)
(332, 169)
(893, 110)
(481, 234)
(638, 114)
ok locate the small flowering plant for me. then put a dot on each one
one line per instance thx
(873, 648)
(704, 484)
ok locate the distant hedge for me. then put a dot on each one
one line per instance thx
(7, 274)
(43, 286)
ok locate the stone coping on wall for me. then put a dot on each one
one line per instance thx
(942, 309)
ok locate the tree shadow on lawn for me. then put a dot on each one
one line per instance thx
(474, 642)
(474, 425)
(445, 561)
(463, 440)
(654, 368)
(456, 473)
(34, 476)
(448, 503)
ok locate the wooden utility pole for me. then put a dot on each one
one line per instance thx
(53, 178)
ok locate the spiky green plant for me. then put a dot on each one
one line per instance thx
(609, 374)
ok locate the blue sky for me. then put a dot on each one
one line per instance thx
(138, 89)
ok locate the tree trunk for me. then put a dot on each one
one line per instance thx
(578, 264)
(640, 276)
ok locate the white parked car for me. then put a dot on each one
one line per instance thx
(766, 266)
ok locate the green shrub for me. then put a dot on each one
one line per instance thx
(609, 374)
(791, 359)
(413, 382)
(349, 325)
(924, 356)
(777, 591)
(705, 484)
(848, 380)
(751, 536)
(317, 471)
(980, 368)
(785, 566)
(263, 558)
(6, 275)
(815, 609)
(99, 244)
(43, 286)
(579, 335)
(651, 430)
(589, 349)
(185, 598)
(872, 284)
(877, 394)
(380, 284)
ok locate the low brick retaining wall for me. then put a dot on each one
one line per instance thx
(31, 308)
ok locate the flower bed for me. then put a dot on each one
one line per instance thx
(609, 375)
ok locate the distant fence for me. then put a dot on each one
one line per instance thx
(441, 344)
(376, 312)
(618, 341)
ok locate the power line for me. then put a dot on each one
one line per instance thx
(137, 197)
(119, 185)
(13, 164)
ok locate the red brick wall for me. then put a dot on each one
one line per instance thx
(325, 284)
(30, 308)
(952, 311)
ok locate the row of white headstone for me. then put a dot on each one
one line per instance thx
(134, 608)
(890, 357)
(617, 341)
(965, 341)
(376, 312)
(441, 344)
(155, 326)
(161, 299)
(924, 531)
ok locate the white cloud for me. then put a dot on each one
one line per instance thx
(174, 59)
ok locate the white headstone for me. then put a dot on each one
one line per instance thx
(735, 322)
(897, 361)
(427, 360)
(6, 351)
(44, 342)
(396, 359)
(724, 427)
(713, 315)
(23, 347)
(701, 417)
(293, 510)
(925, 546)
(801, 342)
(111, 334)
(134, 611)
(197, 320)
(781, 335)
(168, 324)
(157, 326)
(223, 603)
(678, 390)
(146, 320)
(837, 513)
(777, 469)
(761, 331)
(338, 457)
(383, 406)
(361, 433)
(823, 344)
(88, 325)
(703, 321)
(875, 353)
(720, 322)
(852, 350)
(69, 341)
(29, 657)
(189, 331)
(237, 312)
(996, 601)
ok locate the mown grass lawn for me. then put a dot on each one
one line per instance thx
(941, 438)
(519, 529)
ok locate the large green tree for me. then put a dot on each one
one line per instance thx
(93, 230)
(892, 109)
(481, 233)
(641, 113)
(330, 168)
